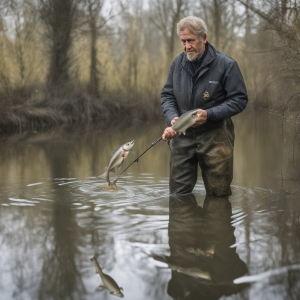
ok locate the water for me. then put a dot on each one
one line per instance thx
(54, 217)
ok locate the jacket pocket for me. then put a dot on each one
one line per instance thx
(212, 91)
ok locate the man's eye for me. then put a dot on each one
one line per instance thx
(187, 41)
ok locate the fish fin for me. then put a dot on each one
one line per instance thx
(110, 187)
(117, 293)
(103, 175)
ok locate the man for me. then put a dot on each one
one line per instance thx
(205, 78)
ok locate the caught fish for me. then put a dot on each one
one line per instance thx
(107, 281)
(209, 252)
(185, 121)
(190, 271)
(195, 272)
(116, 160)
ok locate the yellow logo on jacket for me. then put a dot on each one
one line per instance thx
(205, 95)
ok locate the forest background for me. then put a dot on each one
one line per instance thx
(86, 61)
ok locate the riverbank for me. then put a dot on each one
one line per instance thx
(77, 109)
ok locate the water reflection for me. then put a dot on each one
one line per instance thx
(107, 281)
(202, 262)
(54, 216)
(60, 277)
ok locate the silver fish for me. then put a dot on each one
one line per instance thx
(194, 272)
(116, 160)
(185, 121)
(191, 271)
(107, 281)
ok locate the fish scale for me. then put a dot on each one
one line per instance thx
(116, 160)
(185, 121)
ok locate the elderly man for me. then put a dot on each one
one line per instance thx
(202, 77)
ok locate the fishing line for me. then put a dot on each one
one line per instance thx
(136, 160)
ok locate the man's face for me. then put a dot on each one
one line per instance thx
(193, 47)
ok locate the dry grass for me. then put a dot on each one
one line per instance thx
(31, 112)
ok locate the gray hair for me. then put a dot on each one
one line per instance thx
(195, 24)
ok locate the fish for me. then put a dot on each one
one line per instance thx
(190, 271)
(116, 160)
(195, 272)
(185, 121)
(107, 281)
(209, 252)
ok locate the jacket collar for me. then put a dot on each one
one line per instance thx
(209, 57)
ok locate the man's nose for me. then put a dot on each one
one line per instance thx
(188, 45)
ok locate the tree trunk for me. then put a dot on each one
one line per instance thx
(58, 17)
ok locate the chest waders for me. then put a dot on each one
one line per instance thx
(210, 149)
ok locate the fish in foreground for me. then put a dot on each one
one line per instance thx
(107, 281)
(116, 160)
(185, 121)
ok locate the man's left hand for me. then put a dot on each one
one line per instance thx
(202, 118)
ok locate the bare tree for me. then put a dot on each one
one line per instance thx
(130, 36)
(24, 24)
(165, 14)
(223, 22)
(17, 39)
(282, 18)
(96, 22)
(4, 78)
(59, 18)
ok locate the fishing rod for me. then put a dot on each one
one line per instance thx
(184, 121)
(136, 160)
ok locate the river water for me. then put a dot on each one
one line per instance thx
(54, 217)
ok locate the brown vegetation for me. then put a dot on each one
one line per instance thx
(85, 61)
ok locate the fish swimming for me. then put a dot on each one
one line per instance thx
(116, 160)
(185, 121)
(107, 281)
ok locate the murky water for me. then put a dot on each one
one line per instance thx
(54, 217)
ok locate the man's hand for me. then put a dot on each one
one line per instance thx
(174, 120)
(168, 134)
(202, 118)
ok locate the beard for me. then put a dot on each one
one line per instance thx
(193, 56)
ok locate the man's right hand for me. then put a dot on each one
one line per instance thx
(168, 134)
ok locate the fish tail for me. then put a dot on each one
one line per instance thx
(103, 175)
(111, 186)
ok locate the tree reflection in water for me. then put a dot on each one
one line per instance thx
(202, 262)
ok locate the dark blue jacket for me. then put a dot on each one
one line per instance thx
(219, 88)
